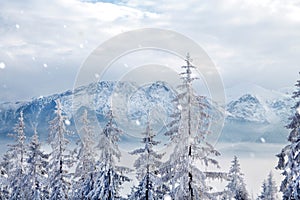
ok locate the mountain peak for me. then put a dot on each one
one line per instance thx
(239, 90)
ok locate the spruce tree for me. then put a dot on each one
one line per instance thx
(269, 189)
(236, 188)
(264, 192)
(60, 157)
(147, 167)
(188, 133)
(17, 161)
(85, 169)
(109, 177)
(4, 168)
(289, 158)
(36, 173)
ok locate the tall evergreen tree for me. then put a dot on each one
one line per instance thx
(289, 158)
(17, 160)
(109, 177)
(147, 167)
(269, 189)
(189, 136)
(4, 168)
(264, 192)
(36, 173)
(60, 158)
(236, 188)
(85, 170)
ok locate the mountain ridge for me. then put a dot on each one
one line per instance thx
(249, 106)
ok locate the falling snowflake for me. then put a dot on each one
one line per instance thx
(65, 26)
(298, 110)
(97, 75)
(67, 122)
(81, 46)
(33, 58)
(125, 65)
(262, 140)
(138, 122)
(17, 26)
(45, 65)
(179, 107)
(2, 65)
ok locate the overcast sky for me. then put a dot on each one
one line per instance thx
(43, 43)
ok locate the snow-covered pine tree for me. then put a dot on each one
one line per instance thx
(60, 158)
(236, 188)
(289, 158)
(85, 169)
(264, 191)
(17, 161)
(4, 168)
(188, 134)
(272, 189)
(269, 189)
(36, 173)
(109, 177)
(147, 167)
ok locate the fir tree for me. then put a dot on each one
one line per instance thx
(147, 166)
(289, 158)
(269, 189)
(16, 156)
(37, 163)
(60, 158)
(4, 168)
(236, 188)
(264, 193)
(109, 177)
(188, 133)
(85, 169)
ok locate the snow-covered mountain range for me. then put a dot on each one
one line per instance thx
(253, 113)
(257, 114)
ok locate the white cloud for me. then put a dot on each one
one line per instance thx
(246, 39)
(60, 34)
